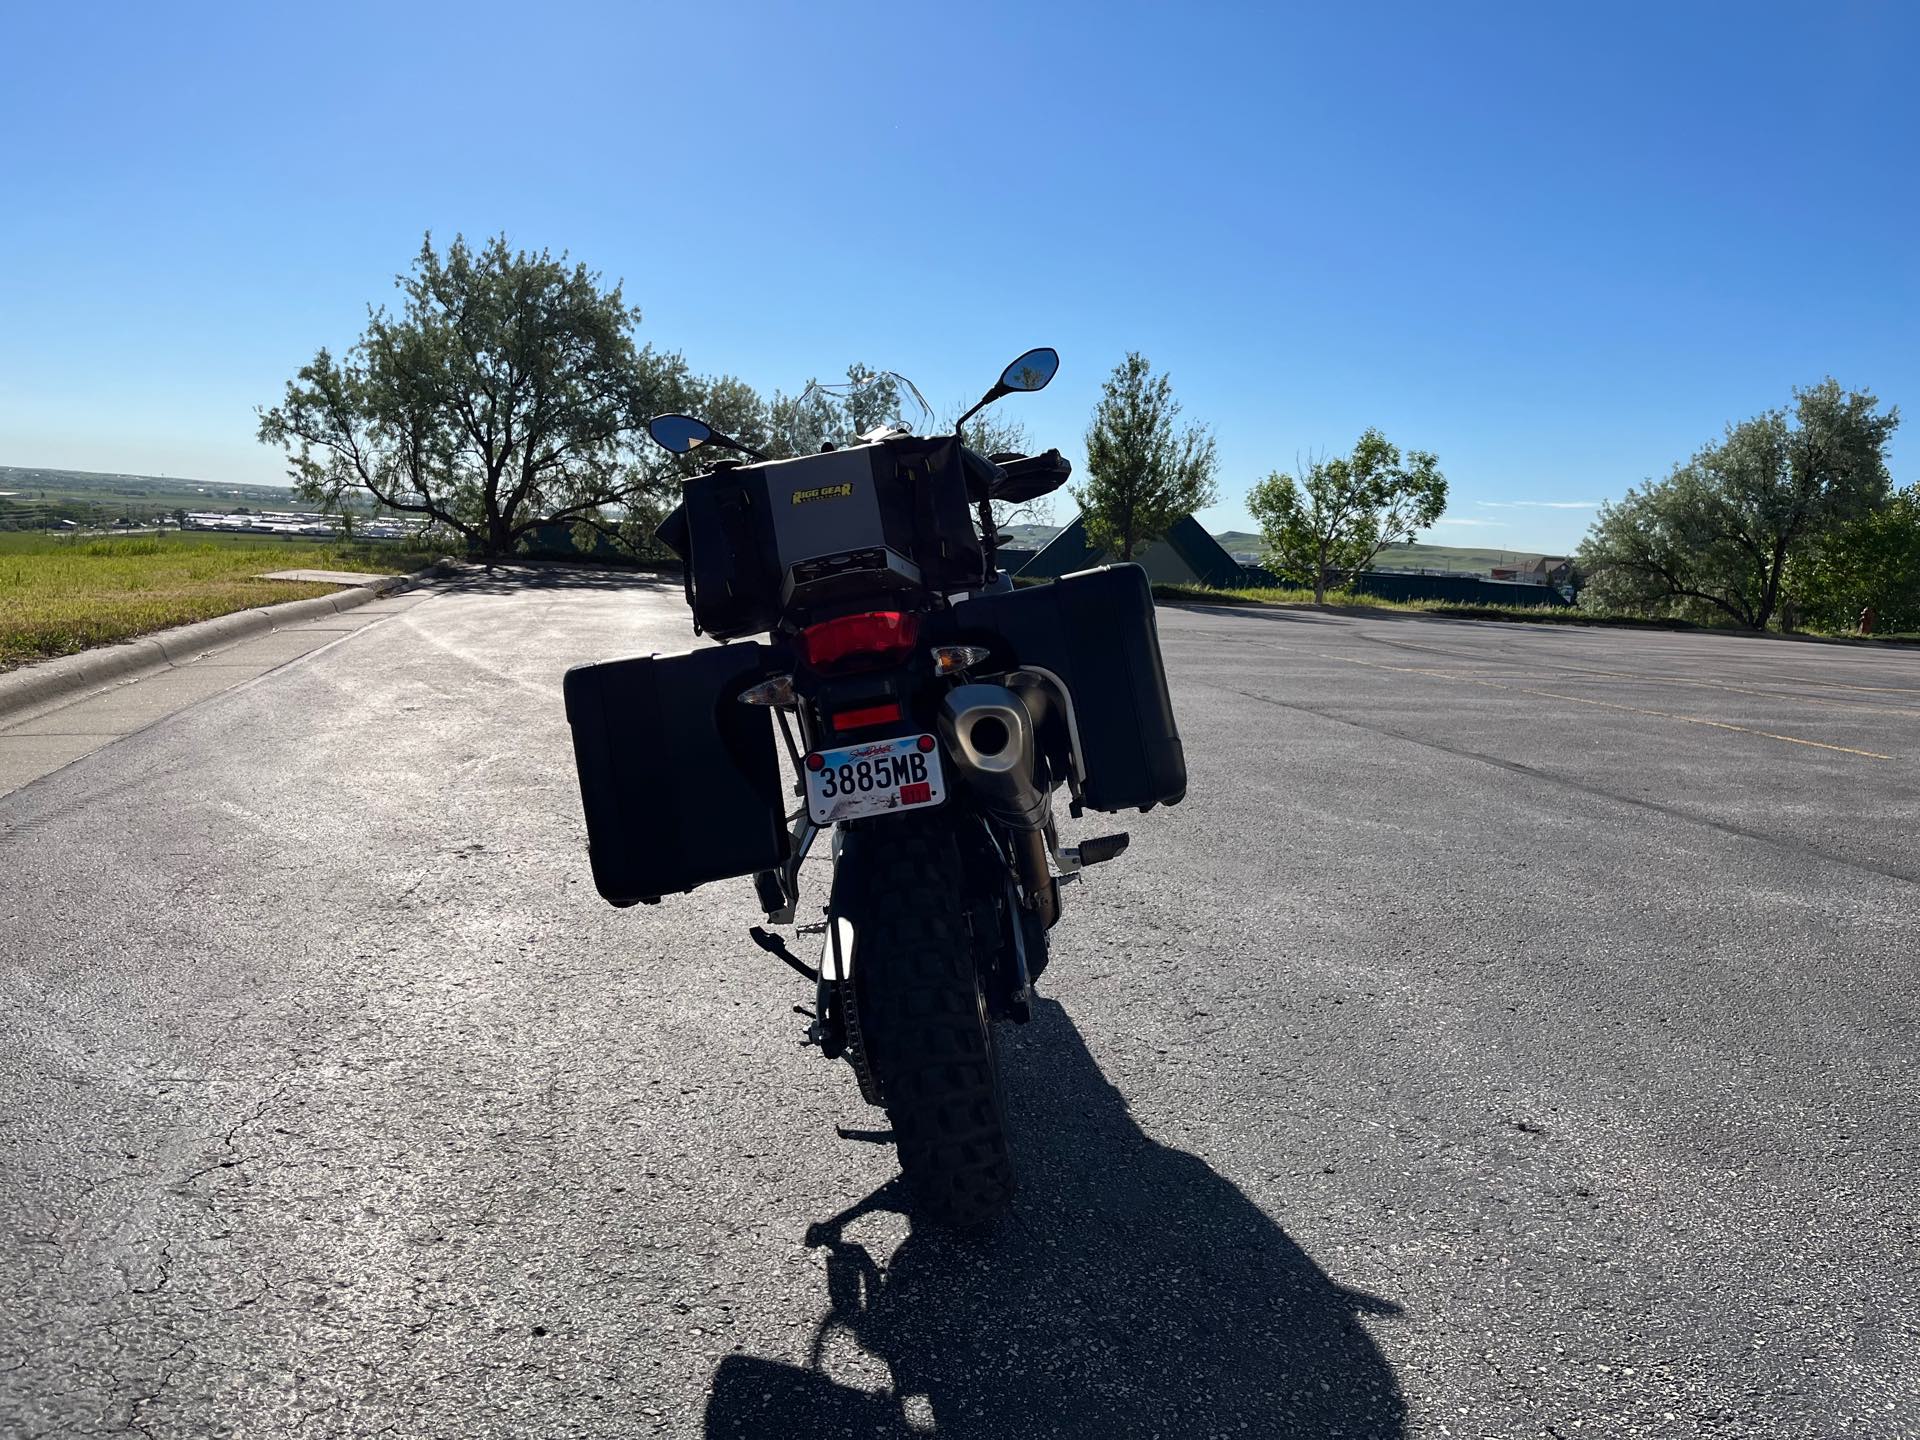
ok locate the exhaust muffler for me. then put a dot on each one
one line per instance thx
(989, 735)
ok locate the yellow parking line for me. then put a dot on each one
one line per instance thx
(1609, 705)
(1858, 707)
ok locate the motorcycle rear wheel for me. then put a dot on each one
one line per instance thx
(924, 1018)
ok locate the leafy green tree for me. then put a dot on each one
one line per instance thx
(1143, 473)
(1719, 536)
(506, 394)
(1339, 513)
(734, 408)
(1873, 561)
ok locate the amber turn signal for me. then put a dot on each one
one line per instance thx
(952, 659)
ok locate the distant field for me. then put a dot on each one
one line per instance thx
(1450, 557)
(62, 594)
(30, 497)
(1029, 537)
(1466, 558)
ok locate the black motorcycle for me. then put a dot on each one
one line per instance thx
(929, 710)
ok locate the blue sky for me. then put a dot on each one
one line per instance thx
(1561, 246)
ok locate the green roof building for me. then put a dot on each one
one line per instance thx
(1187, 555)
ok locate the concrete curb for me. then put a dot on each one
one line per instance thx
(34, 689)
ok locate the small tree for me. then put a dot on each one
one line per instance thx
(1340, 513)
(504, 396)
(1142, 473)
(1720, 535)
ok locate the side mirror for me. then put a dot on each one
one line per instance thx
(1032, 371)
(679, 433)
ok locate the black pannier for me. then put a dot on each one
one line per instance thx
(1094, 632)
(680, 782)
(790, 535)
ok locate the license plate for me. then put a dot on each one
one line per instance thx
(879, 778)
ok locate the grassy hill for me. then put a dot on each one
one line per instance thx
(30, 497)
(1468, 559)
(1451, 557)
(1472, 559)
(1029, 537)
(86, 497)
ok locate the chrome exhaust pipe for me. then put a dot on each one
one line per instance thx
(989, 735)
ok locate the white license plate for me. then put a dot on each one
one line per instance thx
(881, 777)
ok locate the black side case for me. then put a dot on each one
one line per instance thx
(1095, 632)
(680, 782)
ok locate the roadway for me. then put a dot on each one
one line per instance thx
(1513, 1034)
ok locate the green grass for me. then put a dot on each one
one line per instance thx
(63, 594)
(1281, 595)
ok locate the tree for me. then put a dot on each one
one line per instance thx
(507, 394)
(1142, 473)
(1873, 561)
(1340, 513)
(1719, 536)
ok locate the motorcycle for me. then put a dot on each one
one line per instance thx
(929, 711)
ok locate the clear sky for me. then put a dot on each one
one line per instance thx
(1559, 245)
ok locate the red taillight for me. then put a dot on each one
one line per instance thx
(855, 642)
(870, 715)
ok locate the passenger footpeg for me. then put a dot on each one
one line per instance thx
(1096, 851)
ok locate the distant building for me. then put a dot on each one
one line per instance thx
(1187, 555)
(1555, 570)
(301, 522)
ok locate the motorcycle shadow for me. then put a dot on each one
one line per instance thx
(1134, 1291)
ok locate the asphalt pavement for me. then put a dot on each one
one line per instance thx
(1513, 1034)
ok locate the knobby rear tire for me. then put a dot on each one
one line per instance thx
(925, 1021)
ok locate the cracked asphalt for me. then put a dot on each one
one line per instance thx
(1514, 1034)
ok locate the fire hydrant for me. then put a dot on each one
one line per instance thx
(1867, 617)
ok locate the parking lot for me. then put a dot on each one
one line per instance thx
(1512, 1034)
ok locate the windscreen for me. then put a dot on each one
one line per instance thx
(869, 406)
